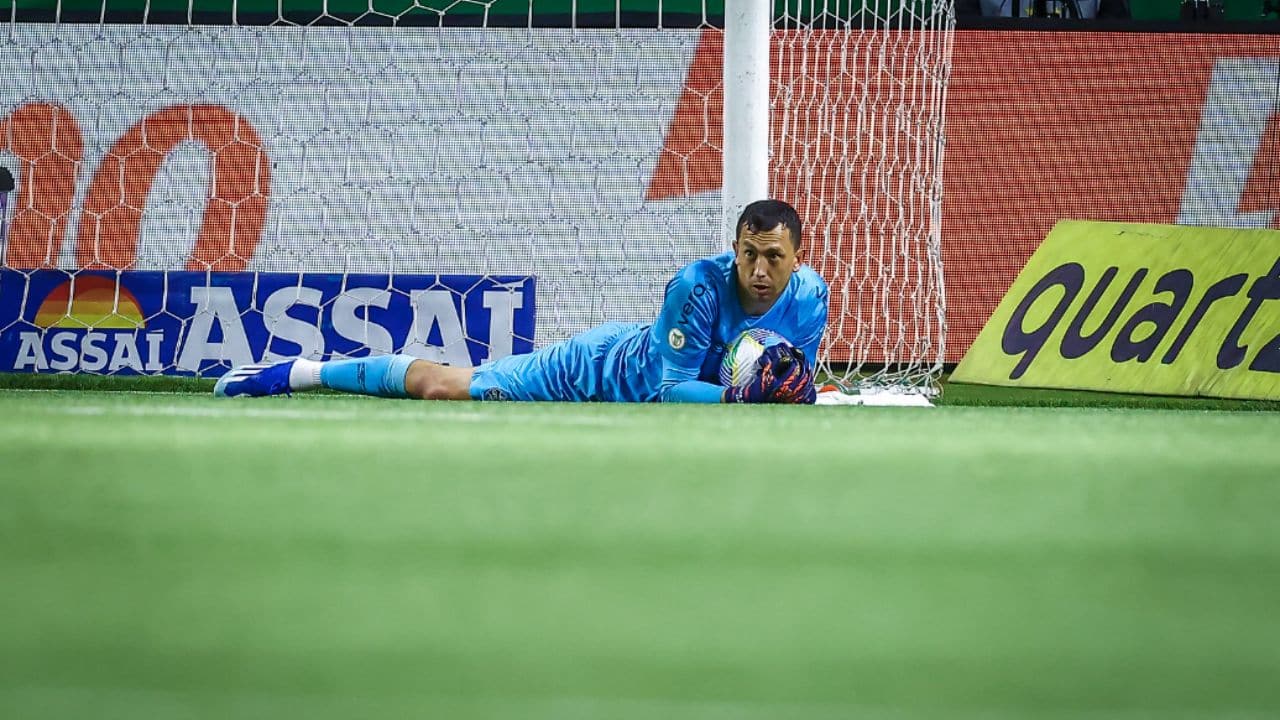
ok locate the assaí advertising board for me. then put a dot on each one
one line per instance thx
(131, 323)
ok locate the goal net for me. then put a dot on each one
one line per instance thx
(858, 108)
(204, 184)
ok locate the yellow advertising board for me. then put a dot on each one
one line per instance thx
(1139, 308)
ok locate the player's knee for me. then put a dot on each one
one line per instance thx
(429, 381)
(423, 381)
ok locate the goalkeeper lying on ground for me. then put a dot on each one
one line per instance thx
(709, 303)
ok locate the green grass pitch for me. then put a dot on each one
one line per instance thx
(167, 555)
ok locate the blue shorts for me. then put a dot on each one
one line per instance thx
(572, 370)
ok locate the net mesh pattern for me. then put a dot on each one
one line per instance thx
(579, 144)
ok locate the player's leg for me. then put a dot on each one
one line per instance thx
(432, 381)
(568, 371)
(392, 376)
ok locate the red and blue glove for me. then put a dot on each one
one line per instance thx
(783, 377)
(795, 386)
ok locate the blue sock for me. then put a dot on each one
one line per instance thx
(381, 375)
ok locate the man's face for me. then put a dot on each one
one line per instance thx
(764, 262)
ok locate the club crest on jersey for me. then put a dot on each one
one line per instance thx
(675, 338)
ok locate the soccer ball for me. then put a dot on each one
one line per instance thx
(742, 358)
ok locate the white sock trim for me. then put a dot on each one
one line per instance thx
(305, 374)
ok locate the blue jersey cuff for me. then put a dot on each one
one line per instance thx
(693, 391)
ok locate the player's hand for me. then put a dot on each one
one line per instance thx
(794, 379)
(776, 365)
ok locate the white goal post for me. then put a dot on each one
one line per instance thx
(456, 180)
(746, 103)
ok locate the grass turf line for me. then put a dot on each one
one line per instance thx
(953, 393)
(329, 556)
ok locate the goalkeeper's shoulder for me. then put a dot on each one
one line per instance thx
(713, 267)
(810, 285)
(706, 277)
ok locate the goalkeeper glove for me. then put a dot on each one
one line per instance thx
(795, 385)
(761, 388)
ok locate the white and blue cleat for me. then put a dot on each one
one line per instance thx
(255, 380)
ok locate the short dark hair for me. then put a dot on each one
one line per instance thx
(763, 215)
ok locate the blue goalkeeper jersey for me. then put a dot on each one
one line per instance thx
(677, 358)
(700, 316)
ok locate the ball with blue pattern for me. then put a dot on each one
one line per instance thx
(741, 359)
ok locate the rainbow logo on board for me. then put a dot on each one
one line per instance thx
(90, 301)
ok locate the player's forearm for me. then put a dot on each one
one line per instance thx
(692, 391)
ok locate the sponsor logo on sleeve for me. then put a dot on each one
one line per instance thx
(686, 309)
